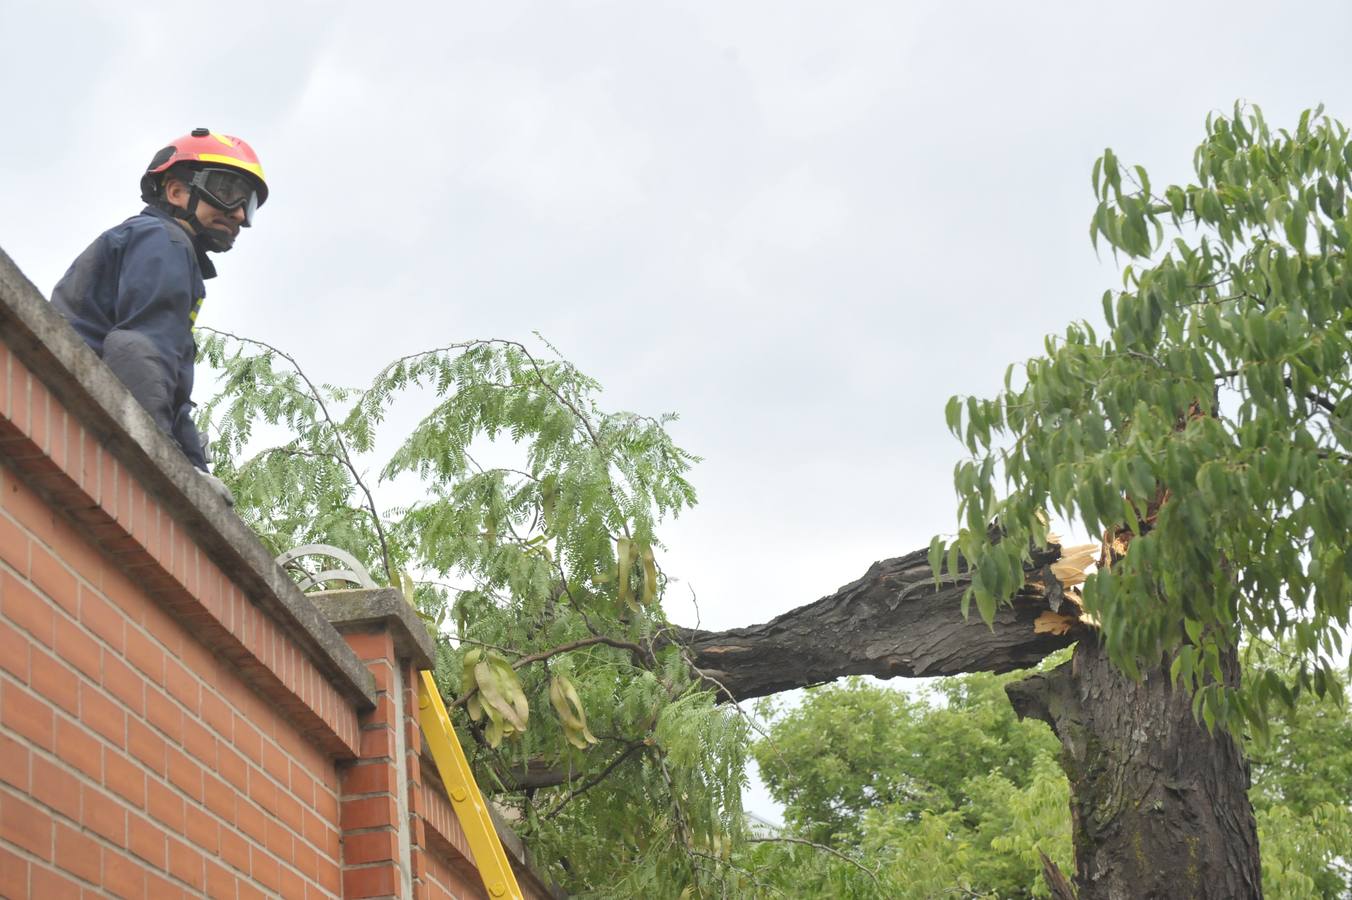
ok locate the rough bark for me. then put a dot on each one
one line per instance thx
(1160, 807)
(891, 622)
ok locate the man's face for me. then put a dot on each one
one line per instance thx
(223, 222)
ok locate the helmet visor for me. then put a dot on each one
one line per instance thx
(227, 190)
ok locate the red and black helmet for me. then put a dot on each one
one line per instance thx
(205, 149)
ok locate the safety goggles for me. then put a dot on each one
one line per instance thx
(227, 190)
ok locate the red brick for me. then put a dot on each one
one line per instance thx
(147, 655)
(30, 510)
(368, 812)
(329, 874)
(26, 714)
(123, 876)
(102, 618)
(182, 684)
(14, 541)
(369, 778)
(78, 853)
(220, 797)
(317, 830)
(220, 883)
(163, 628)
(78, 748)
(124, 683)
(302, 785)
(184, 772)
(75, 646)
(103, 815)
(26, 826)
(158, 886)
(377, 743)
(248, 892)
(164, 804)
(204, 831)
(53, 681)
(375, 881)
(413, 735)
(371, 645)
(52, 577)
(146, 745)
(103, 715)
(234, 849)
(383, 714)
(370, 847)
(199, 741)
(218, 714)
(382, 670)
(232, 767)
(48, 883)
(147, 840)
(326, 804)
(27, 609)
(292, 884)
(56, 788)
(13, 874)
(265, 868)
(261, 789)
(60, 432)
(14, 648)
(289, 810)
(124, 778)
(277, 764)
(280, 841)
(251, 821)
(164, 714)
(13, 762)
(109, 471)
(186, 864)
(247, 739)
(304, 858)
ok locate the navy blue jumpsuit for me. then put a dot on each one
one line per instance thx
(133, 296)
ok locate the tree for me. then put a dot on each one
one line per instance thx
(1207, 435)
(538, 574)
(946, 790)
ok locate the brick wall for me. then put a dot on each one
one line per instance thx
(175, 718)
(135, 760)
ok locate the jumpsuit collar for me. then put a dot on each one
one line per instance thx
(203, 262)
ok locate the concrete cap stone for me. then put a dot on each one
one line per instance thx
(365, 608)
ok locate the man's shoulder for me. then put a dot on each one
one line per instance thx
(150, 225)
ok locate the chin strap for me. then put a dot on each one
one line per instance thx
(214, 240)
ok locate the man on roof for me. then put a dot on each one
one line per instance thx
(134, 294)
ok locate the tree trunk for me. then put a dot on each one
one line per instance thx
(1160, 808)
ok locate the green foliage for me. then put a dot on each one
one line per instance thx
(1210, 417)
(948, 794)
(539, 578)
(1302, 789)
(936, 792)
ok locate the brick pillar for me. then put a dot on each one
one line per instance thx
(382, 834)
(417, 863)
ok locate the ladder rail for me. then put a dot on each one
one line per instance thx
(466, 799)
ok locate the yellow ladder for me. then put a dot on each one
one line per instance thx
(468, 802)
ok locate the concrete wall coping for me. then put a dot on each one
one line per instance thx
(385, 608)
(46, 343)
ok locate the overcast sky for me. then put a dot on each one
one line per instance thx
(802, 226)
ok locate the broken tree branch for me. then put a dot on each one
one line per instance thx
(891, 622)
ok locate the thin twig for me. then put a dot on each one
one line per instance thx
(595, 779)
(832, 850)
(337, 436)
